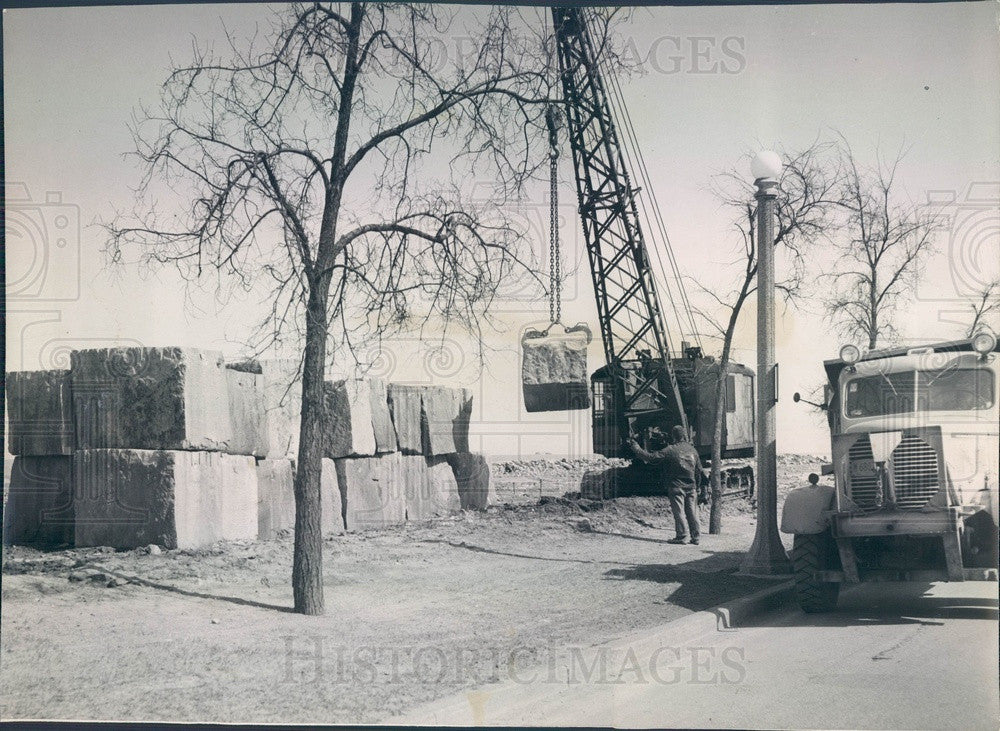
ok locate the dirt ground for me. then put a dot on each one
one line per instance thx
(413, 613)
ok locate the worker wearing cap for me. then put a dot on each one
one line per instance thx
(680, 468)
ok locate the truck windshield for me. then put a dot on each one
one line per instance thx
(949, 389)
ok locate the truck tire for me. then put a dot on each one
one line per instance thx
(811, 553)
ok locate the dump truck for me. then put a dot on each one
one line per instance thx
(915, 445)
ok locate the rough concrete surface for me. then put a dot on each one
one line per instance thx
(385, 432)
(39, 509)
(554, 372)
(150, 398)
(40, 408)
(283, 405)
(173, 498)
(460, 428)
(429, 485)
(330, 499)
(247, 413)
(275, 497)
(372, 498)
(349, 430)
(405, 409)
(441, 408)
(472, 475)
(238, 517)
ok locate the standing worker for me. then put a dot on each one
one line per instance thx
(680, 469)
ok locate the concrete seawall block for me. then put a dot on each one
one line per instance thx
(238, 519)
(440, 411)
(40, 408)
(405, 407)
(385, 432)
(39, 510)
(128, 498)
(348, 428)
(247, 413)
(150, 398)
(472, 474)
(276, 498)
(372, 494)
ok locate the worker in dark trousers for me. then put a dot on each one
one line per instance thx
(680, 468)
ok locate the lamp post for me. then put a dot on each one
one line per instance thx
(766, 555)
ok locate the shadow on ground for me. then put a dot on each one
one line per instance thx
(702, 583)
(889, 603)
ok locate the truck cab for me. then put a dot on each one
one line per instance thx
(915, 439)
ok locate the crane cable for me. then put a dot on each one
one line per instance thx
(552, 123)
(655, 221)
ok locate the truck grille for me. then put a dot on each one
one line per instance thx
(915, 473)
(864, 485)
(915, 468)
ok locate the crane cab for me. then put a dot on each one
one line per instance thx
(696, 378)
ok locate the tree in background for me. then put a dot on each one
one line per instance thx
(265, 145)
(882, 247)
(804, 206)
(985, 304)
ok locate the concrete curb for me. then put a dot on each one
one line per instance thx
(469, 706)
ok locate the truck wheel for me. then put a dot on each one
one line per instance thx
(811, 553)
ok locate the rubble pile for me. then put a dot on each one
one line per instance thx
(175, 447)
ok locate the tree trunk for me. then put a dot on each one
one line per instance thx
(873, 311)
(307, 562)
(715, 514)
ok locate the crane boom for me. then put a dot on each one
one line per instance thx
(636, 347)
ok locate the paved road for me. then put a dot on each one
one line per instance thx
(892, 656)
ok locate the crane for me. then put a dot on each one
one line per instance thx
(642, 384)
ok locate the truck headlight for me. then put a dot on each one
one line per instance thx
(850, 354)
(984, 343)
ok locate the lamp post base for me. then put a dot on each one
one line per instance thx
(766, 556)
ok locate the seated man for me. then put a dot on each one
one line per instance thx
(680, 468)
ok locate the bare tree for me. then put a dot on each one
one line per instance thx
(884, 244)
(986, 303)
(804, 206)
(268, 144)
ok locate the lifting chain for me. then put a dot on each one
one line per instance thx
(555, 259)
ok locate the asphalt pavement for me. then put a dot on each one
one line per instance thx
(892, 656)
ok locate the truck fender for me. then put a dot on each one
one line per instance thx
(805, 508)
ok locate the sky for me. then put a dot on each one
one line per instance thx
(717, 83)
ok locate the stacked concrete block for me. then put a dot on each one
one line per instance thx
(463, 418)
(406, 407)
(472, 476)
(430, 487)
(372, 492)
(39, 510)
(331, 499)
(40, 405)
(385, 432)
(238, 519)
(247, 413)
(128, 498)
(281, 393)
(150, 398)
(348, 422)
(276, 498)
